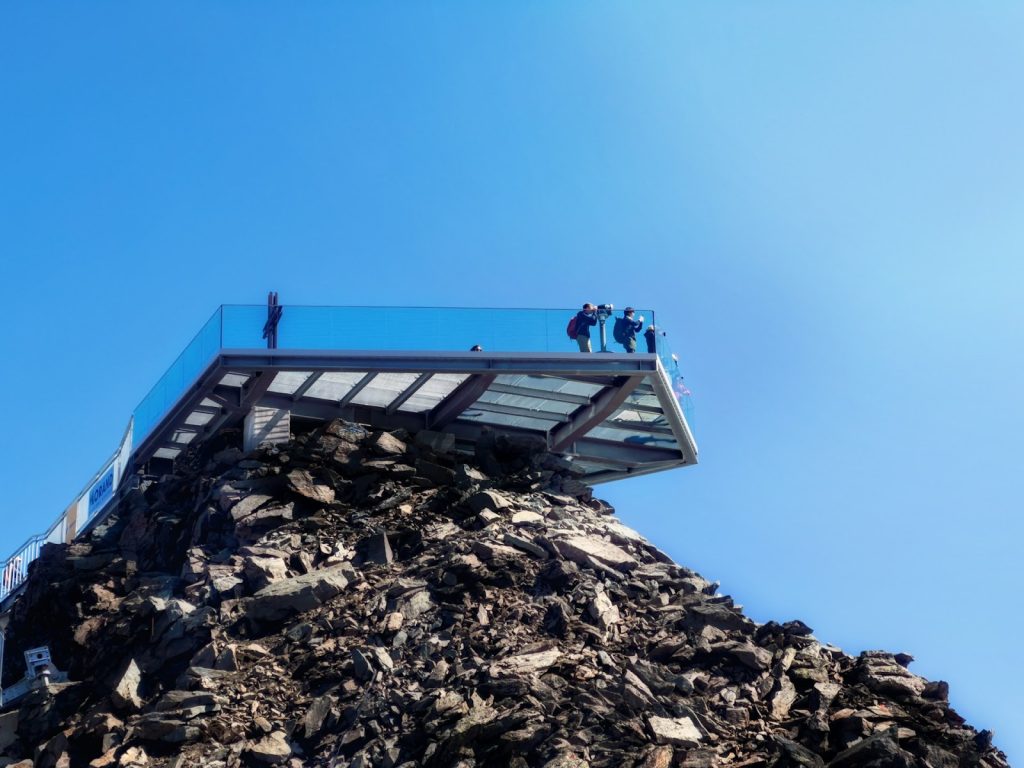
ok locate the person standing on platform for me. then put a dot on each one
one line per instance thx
(650, 338)
(626, 328)
(586, 319)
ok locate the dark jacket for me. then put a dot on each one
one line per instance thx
(630, 327)
(584, 322)
(652, 343)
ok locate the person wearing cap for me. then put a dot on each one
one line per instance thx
(627, 328)
(652, 342)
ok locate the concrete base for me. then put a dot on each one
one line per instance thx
(266, 425)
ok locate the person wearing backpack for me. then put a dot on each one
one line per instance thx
(625, 329)
(580, 325)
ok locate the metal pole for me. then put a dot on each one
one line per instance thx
(604, 336)
(274, 311)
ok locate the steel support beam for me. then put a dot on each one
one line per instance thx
(588, 449)
(593, 449)
(408, 392)
(579, 367)
(540, 394)
(359, 387)
(255, 388)
(640, 426)
(312, 379)
(588, 417)
(514, 410)
(463, 396)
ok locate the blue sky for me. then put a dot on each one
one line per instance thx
(824, 202)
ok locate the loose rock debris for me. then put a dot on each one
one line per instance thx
(364, 599)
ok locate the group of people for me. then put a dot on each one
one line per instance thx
(624, 330)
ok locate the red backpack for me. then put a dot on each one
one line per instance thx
(570, 329)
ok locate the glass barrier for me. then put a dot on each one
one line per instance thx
(183, 371)
(416, 329)
(670, 362)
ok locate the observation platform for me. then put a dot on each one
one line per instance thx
(614, 415)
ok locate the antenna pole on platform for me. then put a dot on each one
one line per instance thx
(274, 311)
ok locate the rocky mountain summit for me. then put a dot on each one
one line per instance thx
(367, 599)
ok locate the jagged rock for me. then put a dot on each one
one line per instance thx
(262, 570)
(301, 481)
(794, 754)
(882, 673)
(157, 727)
(584, 549)
(125, 695)
(270, 750)
(264, 518)
(249, 504)
(782, 698)
(526, 663)
(602, 609)
(353, 600)
(659, 757)
(527, 517)
(362, 667)
(567, 760)
(524, 544)
(677, 731)
(749, 654)
(315, 716)
(487, 517)
(488, 500)
(879, 751)
(298, 594)
(378, 550)
(387, 444)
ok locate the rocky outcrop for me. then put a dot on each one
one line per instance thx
(371, 599)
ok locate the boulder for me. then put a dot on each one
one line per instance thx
(125, 695)
(581, 549)
(298, 594)
(675, 731)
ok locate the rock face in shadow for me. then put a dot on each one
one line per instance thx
(363, 599)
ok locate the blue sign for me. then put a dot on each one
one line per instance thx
(101, 492)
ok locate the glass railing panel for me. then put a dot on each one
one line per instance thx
(182, 372)
(416, 329)
(243, 326)
(671, 363)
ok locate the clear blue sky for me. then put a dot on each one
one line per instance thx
(824, 202)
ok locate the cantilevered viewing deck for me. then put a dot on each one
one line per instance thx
(615, 415)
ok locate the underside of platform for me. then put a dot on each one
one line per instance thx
(614, 415)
